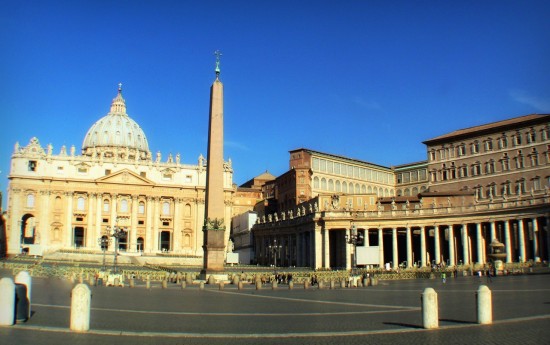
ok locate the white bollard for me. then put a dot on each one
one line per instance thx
(24, 278)
(430, 317)
(7, 302)
(484, 305)
(81, 297)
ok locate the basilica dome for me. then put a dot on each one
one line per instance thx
(116, 135)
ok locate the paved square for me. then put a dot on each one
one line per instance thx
(383, 314)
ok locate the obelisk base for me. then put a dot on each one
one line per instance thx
(214, 254)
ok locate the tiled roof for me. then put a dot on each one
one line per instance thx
(490, 126)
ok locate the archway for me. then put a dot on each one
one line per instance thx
(28, 229)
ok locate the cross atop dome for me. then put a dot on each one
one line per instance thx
(218, 54)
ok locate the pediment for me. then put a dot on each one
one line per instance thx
(125, 176)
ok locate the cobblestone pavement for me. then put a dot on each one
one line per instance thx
(383, 314)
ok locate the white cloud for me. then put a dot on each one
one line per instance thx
(523, 97)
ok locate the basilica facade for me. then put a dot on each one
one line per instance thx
(70, 200)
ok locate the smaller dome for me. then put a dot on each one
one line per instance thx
(116, 134)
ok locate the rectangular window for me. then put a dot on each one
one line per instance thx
(107, 171)
(315, 164)
(188, 179)
(82, 171)
(32, 165)
(143, 174)
(329, 167)
(323, 165)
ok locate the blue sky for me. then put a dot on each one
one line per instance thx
(369, 80)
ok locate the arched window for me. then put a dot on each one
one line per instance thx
(124, 206)
(344, 187)
(30, 200)
(363, 189)
(330, 185)
(338, 186)
(80, 204)
(187, 210)
(57, 203)
(357, 188)
(369, 190)
(166, 208)
(316, 182)
(323, 184)
(141, 207)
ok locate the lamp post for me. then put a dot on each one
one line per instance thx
(354, 238)
(117, 233)
(104, 243)
(274, 249)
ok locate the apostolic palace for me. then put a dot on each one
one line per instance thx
(477, 185)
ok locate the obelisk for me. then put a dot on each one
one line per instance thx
(214, 215)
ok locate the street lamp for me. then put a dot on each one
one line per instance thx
(354, 238)
(117, 234)
(104, 243)
(274, 249)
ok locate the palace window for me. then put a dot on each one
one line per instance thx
(475, 147)
(536, 183)
(490, 167)
(82, 170)
(506, 188)
(534, 157)
(545, 133)
(489, 145)
(531, 136)
(338, 186)
(519, 161)
(330, 185)
(491, 190)
(461, 150)
(520, 186)
(167, 176)
(517, 139)
(323, 184)
(505, 162)
(432, 155)
(316, 182)
(476, 169)
(503, 142)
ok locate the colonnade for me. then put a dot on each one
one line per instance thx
(408, 245)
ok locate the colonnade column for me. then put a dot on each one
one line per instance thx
(156, 215)
(395, 257)
(347, 252)
(90, 240)
(450, 233)
(326, 248)
(132, 246)
(98, 218)
(45, 220)
(521, 237)
(422, 246)
(507, 243)
(535, 240)
(381, 248)
(299, 250)
(437, 245)
(466, 244)
(177, 229)
(69, 220)
(493, 231)
(479, 243)
(149, 229)
(366, 240)
(409, 247)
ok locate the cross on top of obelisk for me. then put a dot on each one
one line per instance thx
(218, 54)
